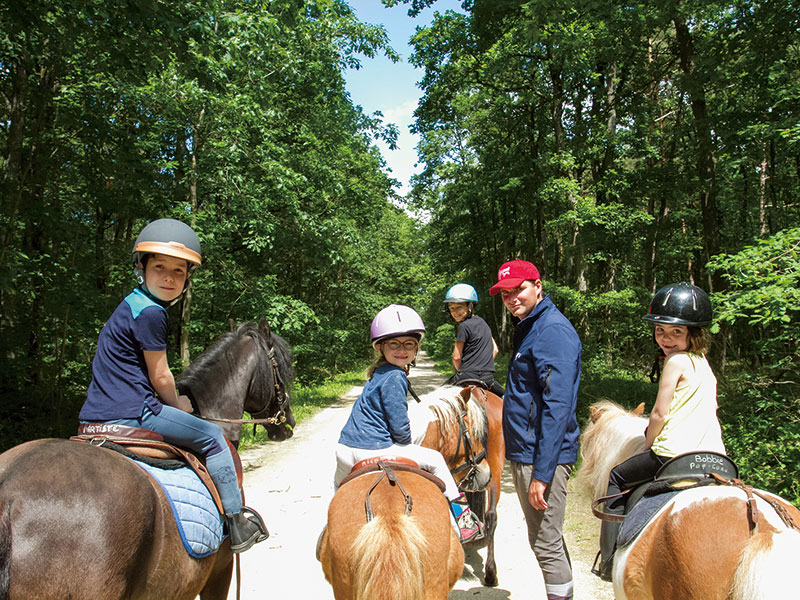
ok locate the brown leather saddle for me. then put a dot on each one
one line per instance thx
(395, 463)
(386, 466)
(150, 444)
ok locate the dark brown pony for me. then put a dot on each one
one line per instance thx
(82, 522)
(705, 543)
(416, 555)
(483, 497)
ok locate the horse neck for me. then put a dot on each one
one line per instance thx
(223, 390)
(607, 444)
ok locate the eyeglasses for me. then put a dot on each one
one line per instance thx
(395, 345)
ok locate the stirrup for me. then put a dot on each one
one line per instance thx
(598, 570)
(246, 528)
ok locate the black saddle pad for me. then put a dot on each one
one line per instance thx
(640, 515)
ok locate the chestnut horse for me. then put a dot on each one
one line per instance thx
(82, 522)
(702, 543)
(417, 555)
(483, 499)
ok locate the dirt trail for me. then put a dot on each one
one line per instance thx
(290, 484)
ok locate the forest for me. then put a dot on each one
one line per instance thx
(620, 146)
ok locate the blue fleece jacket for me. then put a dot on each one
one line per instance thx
(379, 417)
(540, 424)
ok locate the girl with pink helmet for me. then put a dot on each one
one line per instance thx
(379, 422)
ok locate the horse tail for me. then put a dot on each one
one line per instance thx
(767, 566)
(5, 551)
(387, 559)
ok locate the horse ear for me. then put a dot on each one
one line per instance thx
(594, 414)
(232, 323)
(264, 327)
(639, 410)
(465, 394)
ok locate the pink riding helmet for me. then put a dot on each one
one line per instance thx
(396, 320)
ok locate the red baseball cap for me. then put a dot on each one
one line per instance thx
(511, 275)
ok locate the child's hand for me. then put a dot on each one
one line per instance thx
(184, 404)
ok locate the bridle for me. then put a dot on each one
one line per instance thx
(472, 460)
(259, 418)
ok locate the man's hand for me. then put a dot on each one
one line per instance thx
(536, 494)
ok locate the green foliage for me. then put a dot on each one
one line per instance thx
(762, 300)
(231, 116)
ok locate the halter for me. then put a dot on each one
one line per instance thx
(472, 460)
(279, 418)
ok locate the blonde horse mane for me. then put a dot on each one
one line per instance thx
(612, 436)
(388, 557)
(445, 404)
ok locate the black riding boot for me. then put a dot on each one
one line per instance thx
(609, 531)
(245, 528)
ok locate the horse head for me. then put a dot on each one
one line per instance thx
(461, 435)
(247, 369)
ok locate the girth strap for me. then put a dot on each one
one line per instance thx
(386, 471)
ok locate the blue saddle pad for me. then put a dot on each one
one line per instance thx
(640, 515)
(196, 515)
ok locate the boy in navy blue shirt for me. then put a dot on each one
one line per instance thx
(131, 381)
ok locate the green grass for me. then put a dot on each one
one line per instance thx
(307, 401)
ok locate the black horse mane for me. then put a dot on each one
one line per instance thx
(195, 378)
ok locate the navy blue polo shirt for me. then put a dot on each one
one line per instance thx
(120, 387)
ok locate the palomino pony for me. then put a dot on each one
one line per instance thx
(82, 522)
(409, 550)
(702, 544)
(482, 498)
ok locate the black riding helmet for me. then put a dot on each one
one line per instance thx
(172, 238)
(680, 304)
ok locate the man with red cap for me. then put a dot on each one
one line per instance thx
(540, 424)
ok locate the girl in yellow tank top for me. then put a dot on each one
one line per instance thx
(684, 417)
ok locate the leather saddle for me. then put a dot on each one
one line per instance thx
(150, 445)
(396, 463)
(678, 474)
(684, 471)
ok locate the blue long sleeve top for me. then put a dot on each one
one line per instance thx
(379, 417)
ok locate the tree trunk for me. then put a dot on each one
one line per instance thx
(695, 87)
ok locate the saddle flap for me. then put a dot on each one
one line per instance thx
(161, 450)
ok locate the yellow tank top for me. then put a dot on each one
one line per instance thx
(691, 423)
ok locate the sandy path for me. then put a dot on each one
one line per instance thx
(290, 484)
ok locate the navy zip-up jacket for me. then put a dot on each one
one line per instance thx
(540, 424)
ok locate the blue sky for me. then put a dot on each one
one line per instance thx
(381, 85)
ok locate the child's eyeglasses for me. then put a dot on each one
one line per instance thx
(394, 345)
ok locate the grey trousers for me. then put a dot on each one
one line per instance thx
(544, 528)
